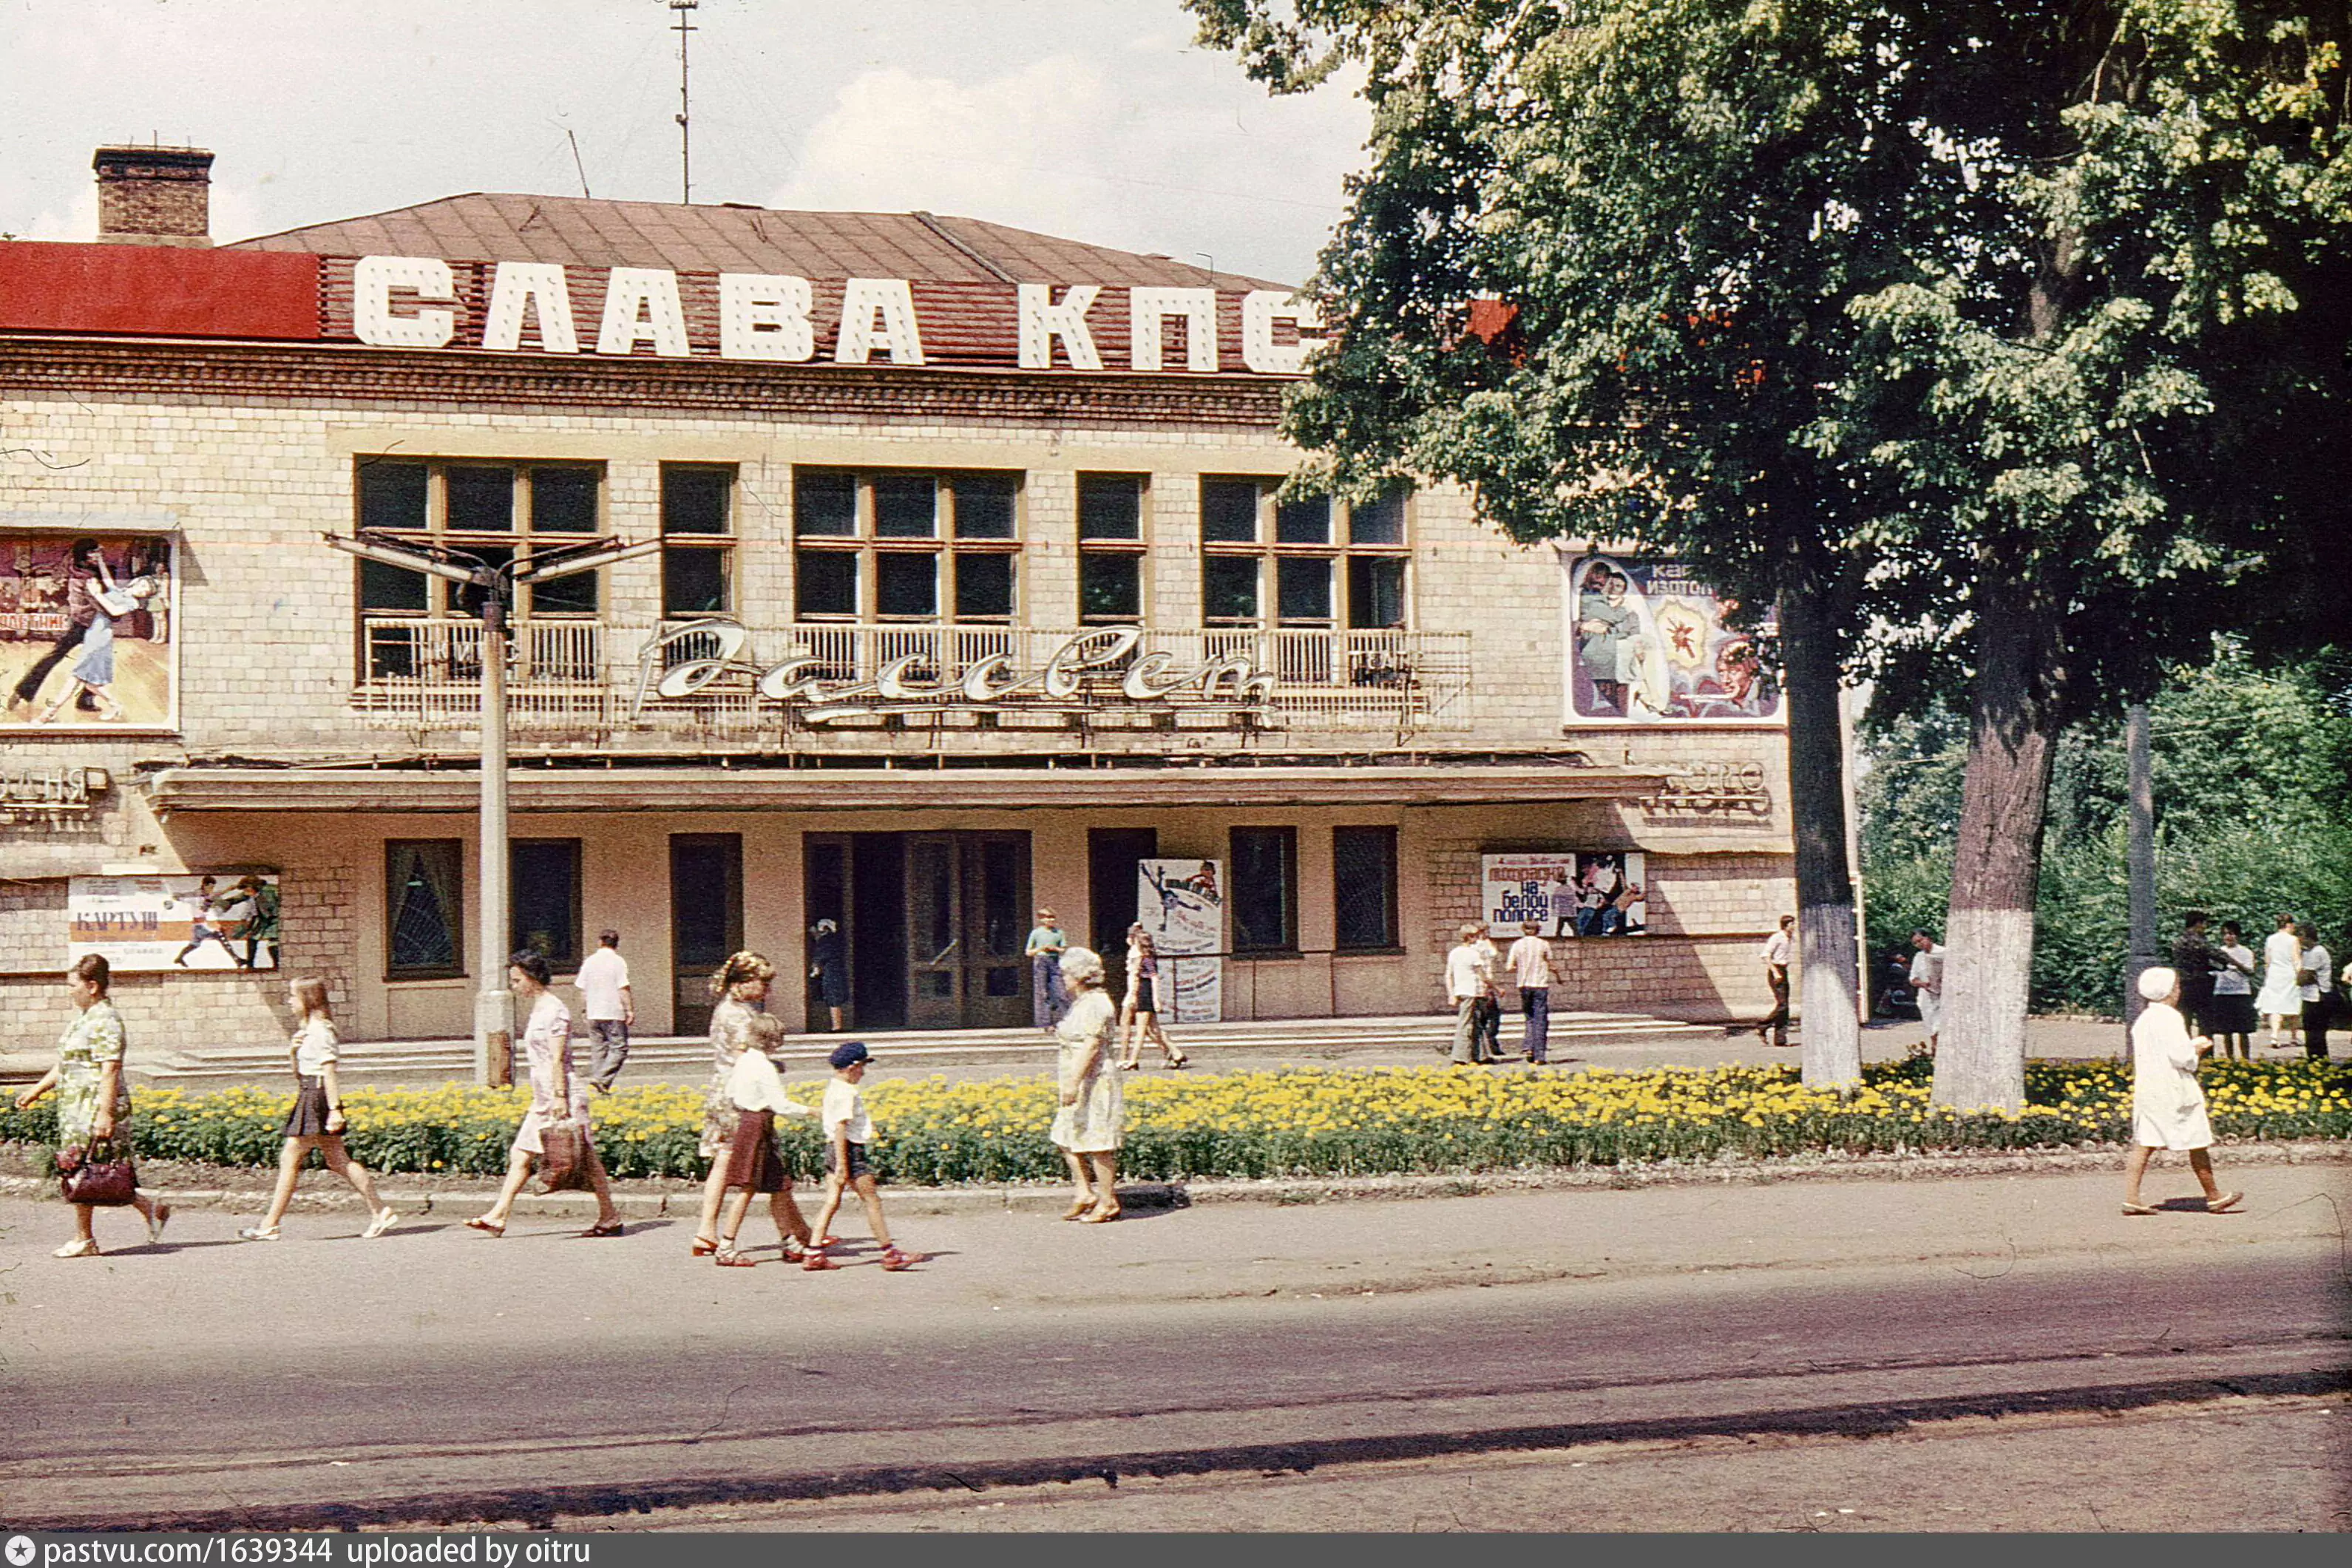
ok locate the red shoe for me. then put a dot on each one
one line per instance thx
(816, 1260)
(825, 1241)
(728, 1257)
(897, 1261)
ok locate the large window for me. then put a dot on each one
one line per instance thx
(1306, 563)
(424, 902)
(492, 511)
(894, 545)
(543, 875)
(1110, 547)
(1364, 889)
(1266, 890)
(697, 504)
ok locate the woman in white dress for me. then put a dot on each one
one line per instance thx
(1091, 1124)
(2168, 1102)
(557, 1095)
(2281, 998)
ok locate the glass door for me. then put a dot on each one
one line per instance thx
(935, 931)
(995, 929)
(706, 920)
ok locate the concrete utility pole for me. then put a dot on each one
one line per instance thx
(2141, 768)
(493, 1003)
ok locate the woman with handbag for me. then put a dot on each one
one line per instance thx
(94, 1112)
(316, 1120)
(559, 1103)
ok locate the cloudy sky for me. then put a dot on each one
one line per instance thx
(1092, 119)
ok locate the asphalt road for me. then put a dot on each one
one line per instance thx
(437, 1375)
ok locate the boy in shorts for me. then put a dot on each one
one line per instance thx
(847, 1130)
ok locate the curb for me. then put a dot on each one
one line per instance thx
(646, 1201)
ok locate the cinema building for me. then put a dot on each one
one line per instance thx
(973, 592)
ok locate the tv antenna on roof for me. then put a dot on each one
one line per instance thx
(685, 10)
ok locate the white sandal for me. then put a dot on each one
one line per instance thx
(258, 1233)
(381, 1223)
(81, 1247)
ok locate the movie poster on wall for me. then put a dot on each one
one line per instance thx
(1648, 644)
(1180, 904)
(86, 622)
(218, 921)
(1571, 893)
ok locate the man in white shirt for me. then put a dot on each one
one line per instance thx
(1530, 961)
(610, 1007)
(1927, 983)
(1469, 982)
(1779, 951)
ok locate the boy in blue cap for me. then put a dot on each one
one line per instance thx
(847, 1130)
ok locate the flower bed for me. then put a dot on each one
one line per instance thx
(1298, 1122)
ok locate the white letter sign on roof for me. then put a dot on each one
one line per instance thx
(863, 300)
(539, 285)
(641, 306)
(1261, 309)
(1041, 321)
(1148, 307)
(764, 316)
(373, 280)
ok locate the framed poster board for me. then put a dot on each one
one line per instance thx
(1648, 644)
(156, 924)
(1181, 905)
(1569, 892)
(89, 622)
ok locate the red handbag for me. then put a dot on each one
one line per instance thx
(98, 1174)
(563, 1158)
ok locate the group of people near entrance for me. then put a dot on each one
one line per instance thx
(1050, 996)
(2228, 991)
(746, 1096)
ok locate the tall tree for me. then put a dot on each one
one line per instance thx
(1928, 322)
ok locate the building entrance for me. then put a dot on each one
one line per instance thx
(932, 926)
(705, 920)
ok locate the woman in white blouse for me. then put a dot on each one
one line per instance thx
(316, 1120)
(2168, 1102)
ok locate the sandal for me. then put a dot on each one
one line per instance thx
(603, 1228)
(2224, 1204)
(257, 1233)
(728, 1257)
(157, 1219)
(486, 1227)
(381, 1223)
(793, 1252)
(897, 1262)
(1098, 1215)
(84, 1247)
(704, 1247)
(1128, 1066)
(1078, 1208)
(2137, 1209)
(1181, 1063)
(816, 1260)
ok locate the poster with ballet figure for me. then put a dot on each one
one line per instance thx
(168, 925)
(87, 619)
(1649, 643)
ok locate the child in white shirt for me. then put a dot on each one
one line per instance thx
(847, 1131)
(753, 1162)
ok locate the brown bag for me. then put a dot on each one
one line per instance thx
(563, 1158)
(98, 1174)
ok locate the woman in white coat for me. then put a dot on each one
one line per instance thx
(2168, 1102)
(2281, 998)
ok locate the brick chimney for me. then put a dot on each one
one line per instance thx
(154, 195)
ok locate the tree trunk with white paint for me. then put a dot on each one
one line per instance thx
(1997, 867)
(1825, 923)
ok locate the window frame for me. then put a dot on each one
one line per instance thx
(521, 536)
(1340, 549)
(1287, 839)
(452, 911)
(1385, 835)
(945, 544)
(721, 544)
(1105, 548)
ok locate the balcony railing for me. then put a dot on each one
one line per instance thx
(581, 675)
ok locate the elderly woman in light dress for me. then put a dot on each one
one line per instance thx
(1091, 1123)
(93, 1099)
(2167, 1102)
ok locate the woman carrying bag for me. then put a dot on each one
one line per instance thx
(94, 1112)
(559, 1103)
(316, 1120)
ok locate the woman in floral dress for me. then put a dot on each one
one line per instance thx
(93, 1101)
(1091, 1124)
(742, 987)
(557, 1095)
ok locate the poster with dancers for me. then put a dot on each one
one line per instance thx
(1181, 905)
(87, 620)
(167, 925)
(1649, 643)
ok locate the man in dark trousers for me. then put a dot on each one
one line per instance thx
(2194, 962)
(80, 611)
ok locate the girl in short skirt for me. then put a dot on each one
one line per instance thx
(753, 1163)
(316, 1120)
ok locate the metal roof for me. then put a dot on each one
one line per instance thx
(586, 232)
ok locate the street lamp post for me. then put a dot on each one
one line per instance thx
(493, 1003)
